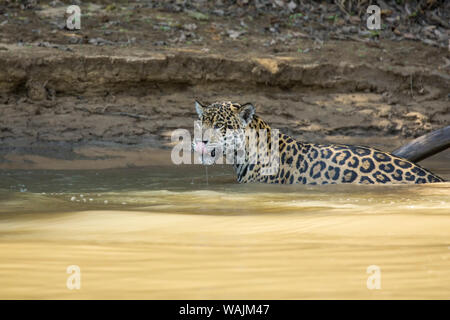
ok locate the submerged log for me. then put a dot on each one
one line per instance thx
(425, 146)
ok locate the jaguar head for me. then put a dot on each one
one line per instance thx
(222, 125)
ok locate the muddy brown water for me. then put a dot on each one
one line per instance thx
(163, 233)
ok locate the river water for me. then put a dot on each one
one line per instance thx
(165, 233)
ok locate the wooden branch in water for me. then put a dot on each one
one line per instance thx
(425, 146)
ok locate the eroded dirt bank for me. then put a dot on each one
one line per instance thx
(110, 94)
(54, 103)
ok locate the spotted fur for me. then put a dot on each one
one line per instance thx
(308, 163)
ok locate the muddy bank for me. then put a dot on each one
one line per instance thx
(42, 74)
(54, 102)
(110, 94)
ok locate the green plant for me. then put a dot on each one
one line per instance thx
(295, 16)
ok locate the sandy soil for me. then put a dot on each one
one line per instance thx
(65, 93)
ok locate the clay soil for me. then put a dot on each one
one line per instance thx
(110, 94)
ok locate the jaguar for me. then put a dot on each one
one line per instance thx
(297, 161)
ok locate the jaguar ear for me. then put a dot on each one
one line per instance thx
(246, 113)
(199, 108)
